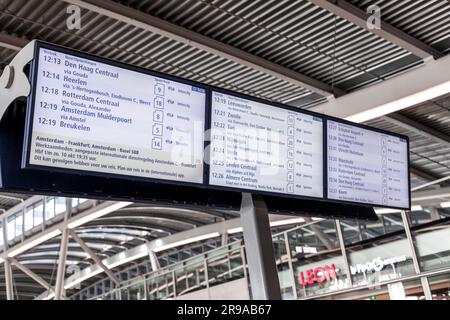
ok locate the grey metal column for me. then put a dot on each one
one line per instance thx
(426, 288)
(224, 238)
(411, 242)
(344, 253)
(259, 248)
(8, 280)
(291, 267)
(154, 260)
(94, 257)
(5, 234)
(60, 276)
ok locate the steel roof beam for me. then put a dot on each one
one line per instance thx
(164, 28)
(11, 42)
(53, 231)
(425, 83)
(32, 275)
(143, 249)
(421, 173)
(387, 31)
(436, 194)
(94, 257)
(417, 127)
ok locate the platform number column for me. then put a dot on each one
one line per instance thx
(384, 169)
(158, 117)
(218, 126)
(290, 153)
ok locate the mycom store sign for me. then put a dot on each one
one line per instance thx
(376, 265)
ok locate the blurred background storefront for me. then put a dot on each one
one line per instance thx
(402, 256)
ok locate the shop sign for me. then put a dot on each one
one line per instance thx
(318, 275)
(376, 265)
(306, 249)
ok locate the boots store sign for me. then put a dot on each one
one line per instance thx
(376, 265)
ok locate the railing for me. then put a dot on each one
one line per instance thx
(214, 267)
(196, 273)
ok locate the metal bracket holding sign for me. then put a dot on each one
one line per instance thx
(259, 248)
(14, 82)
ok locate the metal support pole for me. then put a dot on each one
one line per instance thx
(94, 257)
(205, 266)
(259, 248)
(174, 283)
(32, 275)
(60, 276)
(5, 234)
(224, 238)
(291, 267)
(410, 241)
(69, 207)
(9, 280)
(426, 288)
(154, 260)
(344, 253)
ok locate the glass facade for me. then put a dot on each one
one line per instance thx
(32, 218)
(386, 259)
(440, 287)
(401, 255)
(430, 228)
(377, 251)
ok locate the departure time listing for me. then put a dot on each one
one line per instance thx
(93, 116)
(367, 167)
(264, 148)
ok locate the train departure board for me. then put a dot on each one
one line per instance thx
(91, 115)
(261, 147)
(367, 166)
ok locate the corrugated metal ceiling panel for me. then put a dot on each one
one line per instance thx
(426, 20)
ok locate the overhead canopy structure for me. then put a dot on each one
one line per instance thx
(307, 53)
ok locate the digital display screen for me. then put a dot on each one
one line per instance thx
(89, 115)
(92, 115)
(261, 147)
(367, 166)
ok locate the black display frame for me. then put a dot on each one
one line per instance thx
(285, 107)
(392, 134)
(325, 118)
(207, 142)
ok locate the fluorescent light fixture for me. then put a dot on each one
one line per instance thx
(140, 254)
(276, 224)
(387, 211)
(287, 221)
(28, 245)
(403, 103)
(186, 241)
(96, 214)
(235, 230)
(445, 204)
